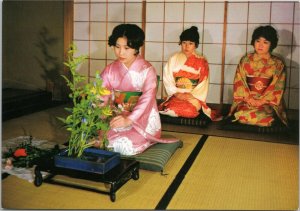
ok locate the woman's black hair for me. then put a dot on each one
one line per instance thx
(190, 34)
(134, 34)
(267, 32)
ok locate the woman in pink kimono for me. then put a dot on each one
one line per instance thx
(138, 126)
(186, 79)
(259, 83)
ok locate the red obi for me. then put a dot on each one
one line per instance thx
(258, 84)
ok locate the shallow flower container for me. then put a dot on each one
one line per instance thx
(92, 160)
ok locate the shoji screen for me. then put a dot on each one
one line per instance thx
(164, 21)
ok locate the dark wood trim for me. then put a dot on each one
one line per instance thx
(68, 25)
(68, 38)
(143, 25)
(223, 53)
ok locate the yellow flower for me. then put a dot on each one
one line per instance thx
(107, 111)
(104, 91)
(93, 90)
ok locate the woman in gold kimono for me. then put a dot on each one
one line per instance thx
(186, 79)
(259, 83)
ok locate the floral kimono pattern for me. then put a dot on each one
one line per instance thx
(146, 128)
(259, 79)
(186, 75)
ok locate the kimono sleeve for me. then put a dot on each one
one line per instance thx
(201, 90)
(148, 98)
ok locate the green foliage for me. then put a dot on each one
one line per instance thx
(88, 115)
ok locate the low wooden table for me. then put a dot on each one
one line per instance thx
(116, 177)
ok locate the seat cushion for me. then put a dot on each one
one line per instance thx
(200, 121)
(276, 127)
(156, 157)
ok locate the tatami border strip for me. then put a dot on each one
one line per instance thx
(165, 200)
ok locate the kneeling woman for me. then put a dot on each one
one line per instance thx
(186, 79)
(259, 83)
(138, 126)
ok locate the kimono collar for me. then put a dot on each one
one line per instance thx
(132, 64)
(195, 54)
(257, 58)
(138, 64)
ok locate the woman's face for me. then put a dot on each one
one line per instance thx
(124, 53)
(188, 47)
(262, 46)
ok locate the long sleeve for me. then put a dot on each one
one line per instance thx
(145, 102)
(201, 90)
(174, 64)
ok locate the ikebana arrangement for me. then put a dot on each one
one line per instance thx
(89, 116)
(88, 122)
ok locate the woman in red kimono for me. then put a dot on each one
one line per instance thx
(259, 83)
(186, 79)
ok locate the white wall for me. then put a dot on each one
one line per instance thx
(165, 20)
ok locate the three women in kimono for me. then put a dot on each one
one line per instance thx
(138, 126)
(259, 83)
(258, 86)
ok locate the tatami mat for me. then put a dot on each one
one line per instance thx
(239, 174)
(144, 193)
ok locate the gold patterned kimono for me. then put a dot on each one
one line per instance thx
(259, 79)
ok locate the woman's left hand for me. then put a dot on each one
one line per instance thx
(120, 122)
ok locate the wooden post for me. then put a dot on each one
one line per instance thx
(68, 38)
(223, 54)
(143, 25)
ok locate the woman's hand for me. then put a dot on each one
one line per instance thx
(255, 103)
(184, 96)
(190, 98)
(120, 122)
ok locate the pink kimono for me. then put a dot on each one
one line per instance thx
(146, 128)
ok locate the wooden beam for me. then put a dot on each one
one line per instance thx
(68, 25)
(68, 38)
(223, 53)
(143, 24)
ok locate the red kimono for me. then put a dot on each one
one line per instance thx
(259, 80)
(190, 77)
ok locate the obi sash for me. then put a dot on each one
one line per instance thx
(126, 100)
(186, 83)
(258, 84)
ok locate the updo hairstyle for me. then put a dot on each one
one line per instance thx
(190, 34)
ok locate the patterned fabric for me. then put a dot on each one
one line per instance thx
(186, 75)
(156, 157)
(146, 128)
(258, 84)
(265, 72)
(126, 101)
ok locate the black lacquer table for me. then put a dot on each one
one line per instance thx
(116, 177)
